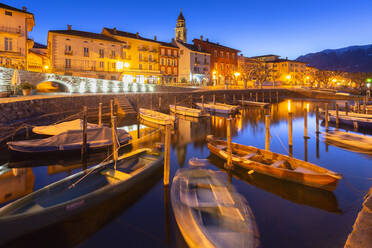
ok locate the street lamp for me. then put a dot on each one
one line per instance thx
(288, 77)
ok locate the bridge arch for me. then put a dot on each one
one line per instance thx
(54, 85)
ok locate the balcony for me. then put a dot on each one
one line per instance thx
(4, 29)
(142, 49)
(153, 60)
(153, 51)
(143, 59)
(127, 47)
(68, 53)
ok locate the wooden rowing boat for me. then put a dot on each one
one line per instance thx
(355, 122)
(351, 141)
(254, 104)
(156, 117)
(181, 110)
(77, 193)
(350, 114)
(276, 165)
(209, 212)
(219, 108)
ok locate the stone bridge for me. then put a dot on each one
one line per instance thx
(72, 84)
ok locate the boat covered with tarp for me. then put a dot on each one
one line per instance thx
(350, 141)
(77, 193)
(62, 127)
(70, 140)
(209, 212)
(276, 165)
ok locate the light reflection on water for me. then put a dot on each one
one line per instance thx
(287, 214)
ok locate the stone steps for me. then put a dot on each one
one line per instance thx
(124, 106)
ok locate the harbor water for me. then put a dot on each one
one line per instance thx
(287, 214)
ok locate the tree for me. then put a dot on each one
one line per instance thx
(322, 77)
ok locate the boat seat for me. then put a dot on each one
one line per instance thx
(279, 164)
(114, 176)
(221, 147)
(304, 170)
(249, 156)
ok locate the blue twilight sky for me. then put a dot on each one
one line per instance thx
(288, 28)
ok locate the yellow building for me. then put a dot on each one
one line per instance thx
(287, 71)
(14, 43)
(140, 54)
(37, 58)
(85, 54)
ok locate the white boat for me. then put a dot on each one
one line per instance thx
(351, 141)
(218, 108)
(181, 110)
(350, 114)
(210, 213)
(156, 117)
(255, 104)
(62, 127)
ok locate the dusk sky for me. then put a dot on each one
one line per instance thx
(288, 28)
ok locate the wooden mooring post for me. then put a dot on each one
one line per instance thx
(317, 119)
(267, 132)
(263, 96)
(159, 106)
(167, 154)
(337, 117)
(100, 114)
(305, 124)
(229, 164)
(114, 139)
(250, 95)
(346, 108)
(214, 99)
(234, 99)
(277, 96)
(256, 96)
(290, 129)
(326, 117)
(112, 107)
(202, 99)
(84, 143)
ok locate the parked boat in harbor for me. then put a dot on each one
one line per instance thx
(97, 138)
(181, 110)
(219, 108)
(276, 165)
(77, 193)
(209, 212)
(254, 104)
(62, 127)
(350, 141)
(156, 117)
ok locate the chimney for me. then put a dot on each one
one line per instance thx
(69, 27)
(137, 35)
(155, 38)
(24, 8)
(207, 40)
(286, 58)
(201, 37)
(115, 31)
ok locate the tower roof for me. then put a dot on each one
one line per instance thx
(180, 17)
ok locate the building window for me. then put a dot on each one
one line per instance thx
(169, 70)
(113, 55)
(228, 55)
(101, 64)
(113, 65)
(232, 56)
(140, 66)
(140, 56)
(205, 60)
(8, 13)
(175, 53)
(150, 67)
(150, 57)
(8, 46)
(215, 53)
(86, 64)
(175, 62)
(67, 48)
(221, 66)
(221, 54)
(162, 61)
(162, 51)
(101, 53)
(86, 52)
(169, 62)
(67, 63)
(169, 52)
(181, 52)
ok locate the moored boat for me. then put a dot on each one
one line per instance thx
(181, 110)
(209, 212)
(97, 138)
(77, 193)
(351, 141)
(156, 117)
(276, 165)
(254, 104)
(218, 108)
(62, 127)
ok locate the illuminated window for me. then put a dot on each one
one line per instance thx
(150, 57)
(162, 61)
(8, 46)
(175, 62)
(113, 65)
(140, 66)
(162, 51)
(221, 54)
(232, 55)
(215, 53)
(227, 55)
(67, 63)
(150, 67)
(124, 54)
(113, 54)
(101, 64)
(67, 48)
(101, 53)
(86, 52)
(169, 52)
(8, 13)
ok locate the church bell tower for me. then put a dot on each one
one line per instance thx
(181, 31)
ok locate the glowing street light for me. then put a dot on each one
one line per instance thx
(237, 74)
(46, 67)
(126, 64)
(288, 77)
(369, 80)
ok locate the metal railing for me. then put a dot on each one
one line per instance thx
(10, 30)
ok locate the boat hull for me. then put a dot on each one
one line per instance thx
(13, 226)
(157, 117)
(323, 181)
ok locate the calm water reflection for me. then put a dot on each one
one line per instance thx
(287, 214)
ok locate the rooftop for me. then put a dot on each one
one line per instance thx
(264, 56)
(4, 6)
(193, 47)
(180, 17)
(85, 35)
(214, 44)
(38, 45)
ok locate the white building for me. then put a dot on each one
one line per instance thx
(194, 64)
